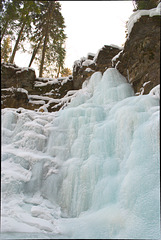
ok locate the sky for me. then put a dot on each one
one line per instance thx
(89, 26)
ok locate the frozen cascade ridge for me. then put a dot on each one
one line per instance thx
(88, 171)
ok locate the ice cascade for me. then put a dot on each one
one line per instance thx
(88, 171)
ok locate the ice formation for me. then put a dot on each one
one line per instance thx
(89, 171)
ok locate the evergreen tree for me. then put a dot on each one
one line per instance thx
(9, 14)
(24, 23)
(40, 22)
(60, 57)
(35, 48)
(47, 35)
(145, 4)
(66, 72)
(6, 49)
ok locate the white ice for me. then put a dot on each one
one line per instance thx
(89, 171)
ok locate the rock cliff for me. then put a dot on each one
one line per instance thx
(138, 61)
(21, 88)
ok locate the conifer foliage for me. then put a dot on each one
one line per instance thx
(6, 49)
(41, 24)
(145, 4)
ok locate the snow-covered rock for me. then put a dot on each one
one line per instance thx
(139, 61)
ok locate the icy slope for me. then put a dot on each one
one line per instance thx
(88, 171)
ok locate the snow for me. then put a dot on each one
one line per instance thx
(47, 101)
(89, 171)
(76, 64)
(45, 82)
(41, 102)
(87, 62)
(116, 46)
(22, 90)
(12, 89)
(155, 92)
(50, 81)
(39, 97)
(9, 89)
(91, 54)
(115, 57)
(70, 77)
(144, 84)
(117, 64)
(43, 79)
(24, 69)
(10, 65)
(139, 13)
(89, 70)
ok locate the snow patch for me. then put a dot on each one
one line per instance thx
(89, 70)
(115, 57)
(87, 62)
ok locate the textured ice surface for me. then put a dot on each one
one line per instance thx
(88, 171)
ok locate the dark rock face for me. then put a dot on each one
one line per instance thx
(21, 88)
(13, 76)
(13, 98)
(84, 68)
(105, 55)
(57, 89)
(140, 60)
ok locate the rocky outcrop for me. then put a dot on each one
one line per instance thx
(57, 88)
(21, 88)
(85, 67)
(103, 59)
(139, 61)
(14, 98)
(14, 76)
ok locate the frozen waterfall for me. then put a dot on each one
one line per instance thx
(88, 171)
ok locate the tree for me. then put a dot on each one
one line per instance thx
(24, 23)
(6, 49)
(144, 4)
(60, 57)
(66, 72)
(9, 14)
(35, 48)
(39, 22)
(54, 36)
(48, 35)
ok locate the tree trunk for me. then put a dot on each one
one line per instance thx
(58, 71)
(35, 52)
(17, 42)
(4, 30)
(43, 54)
(50, 9)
